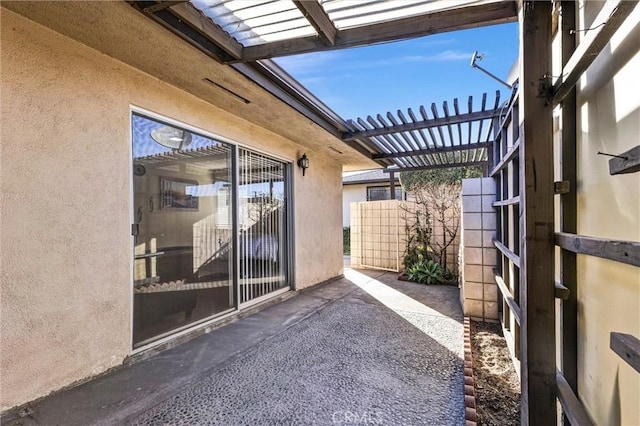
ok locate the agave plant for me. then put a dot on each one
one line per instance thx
(426, 272)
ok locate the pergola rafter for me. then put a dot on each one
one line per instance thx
(238, 41)
(437, 140)
(469, 16)
(318, 18)
(406, 126)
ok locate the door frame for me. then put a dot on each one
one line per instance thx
(288, 222)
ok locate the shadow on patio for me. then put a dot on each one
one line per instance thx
(363, 349)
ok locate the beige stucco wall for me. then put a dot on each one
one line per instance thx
(608, 207)
(66, 204)
(356, 193)
(351, 194)
(318, 224)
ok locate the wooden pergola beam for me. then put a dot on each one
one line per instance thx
(365, 147)
(610, 18)
(424, 124)
(392, 185)
(208, 28)
(460, 18)
(318, 18)
(160, 13)
(162, 5)
(537, 251)
(435, 166)
(436, 150)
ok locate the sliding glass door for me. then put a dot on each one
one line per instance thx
(209, 228)
(262, 219)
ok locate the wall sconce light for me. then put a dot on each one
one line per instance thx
(303, 163)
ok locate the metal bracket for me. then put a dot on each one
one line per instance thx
(627, 162)
(561, 187)
(562, 292)
(545, 89)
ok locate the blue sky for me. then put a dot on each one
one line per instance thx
(386, 77)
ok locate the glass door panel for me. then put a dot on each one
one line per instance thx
(262, 214)
(183, 227)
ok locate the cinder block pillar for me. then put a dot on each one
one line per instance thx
(479, 295)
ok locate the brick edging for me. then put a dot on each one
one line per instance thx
(471, 417)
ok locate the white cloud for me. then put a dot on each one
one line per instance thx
(312, 80)
(319, 67)
(445, 56)
(309, 63)
(434, 42)
(453, 55)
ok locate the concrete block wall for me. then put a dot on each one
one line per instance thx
(379, 233)
(376, 239)
(479, 295)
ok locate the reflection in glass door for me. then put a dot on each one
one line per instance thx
(183, 228)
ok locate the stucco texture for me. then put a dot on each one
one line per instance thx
(351, 194)
(608, 207)
(318, 221)
(66, 253)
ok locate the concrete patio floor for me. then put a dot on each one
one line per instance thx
(363, 349)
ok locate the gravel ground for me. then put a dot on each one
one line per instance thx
(497, 385)
(354, 362)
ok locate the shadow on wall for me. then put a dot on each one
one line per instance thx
(615, 417)
(608, 121)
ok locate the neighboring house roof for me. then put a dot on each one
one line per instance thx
(372, 176)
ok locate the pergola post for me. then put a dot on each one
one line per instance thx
(392, 185)
(537, 294)
(568, 207)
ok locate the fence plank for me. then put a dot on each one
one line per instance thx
(509, 253)
(620, 251)
(627, 347)
(508, 297)
(571, 406)
(508, 202)
(569, 207)
(513, 152)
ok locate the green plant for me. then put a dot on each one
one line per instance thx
(346, 240)
(450, 275)
(422, 178)
(426, 272)
(419, 234)
(437, 194)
